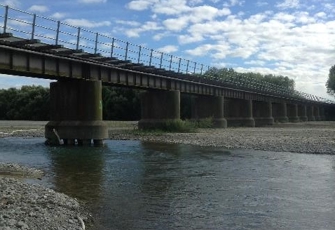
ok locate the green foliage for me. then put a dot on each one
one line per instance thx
(27, 103)
(225, 73)
(330, 84)
(205, 123)
(121, 104)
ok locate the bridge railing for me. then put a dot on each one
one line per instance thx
(32, 26)
(51, 31)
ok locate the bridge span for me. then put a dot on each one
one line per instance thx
(81, 61)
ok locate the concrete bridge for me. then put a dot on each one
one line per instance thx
(82, 66)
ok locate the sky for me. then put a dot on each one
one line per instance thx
(294, 38)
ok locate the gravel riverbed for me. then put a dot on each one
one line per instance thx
(28, 206)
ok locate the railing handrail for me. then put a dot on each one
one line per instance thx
(74, 36)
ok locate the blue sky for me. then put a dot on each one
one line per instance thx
(294, 38)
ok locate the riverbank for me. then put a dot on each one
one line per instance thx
(30, 206)
(305, 137)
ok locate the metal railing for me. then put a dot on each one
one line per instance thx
(32, 26)
(51, 31)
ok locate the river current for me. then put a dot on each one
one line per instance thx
(141, 185)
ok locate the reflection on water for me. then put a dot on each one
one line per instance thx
(139, 185)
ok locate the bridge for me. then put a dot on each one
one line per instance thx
(81, 61)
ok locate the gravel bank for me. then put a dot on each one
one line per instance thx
(305, 137)
(27, 206)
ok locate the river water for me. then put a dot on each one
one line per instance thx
(140, 185)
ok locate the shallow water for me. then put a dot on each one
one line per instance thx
(138, 185)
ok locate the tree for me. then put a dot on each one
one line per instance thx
(330, 84)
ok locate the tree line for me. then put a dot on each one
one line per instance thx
(33, 102)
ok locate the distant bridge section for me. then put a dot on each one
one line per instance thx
(81, 60)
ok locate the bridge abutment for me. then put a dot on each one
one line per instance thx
(209, 107)
(158, 108)
(302, 112)
(238, 112)
(279, 111)
(262, 113)
(76, 113)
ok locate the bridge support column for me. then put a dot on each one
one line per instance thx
(302, 112)
(322, 113)
(262, 113)
(310, 113)
(317, 113)
(238, 112)
(279, 111)
(158, 108)
(76, 113)
(209, 107)
(292, 111)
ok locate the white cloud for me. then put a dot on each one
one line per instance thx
(139, 5)
(287, 4)
(11, 3)
(128, 23)
(148, 26)
(58, 15)
(86, 23)
(233, 3)
(92, 1)
(38, 8)
(168, 49)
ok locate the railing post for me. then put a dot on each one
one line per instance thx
(96, 43)
(126, 54)
(139, 54)
(150, 57)
(5, 19)
(57, 32)
(33, 27)
(78, 38)
(188, 63)
(170, 62)
(161, 61)
(112, 48)
(179, 65)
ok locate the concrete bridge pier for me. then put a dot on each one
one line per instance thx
(76, 113)
(262, 113)
(159, 107)
(322, 113)
(209, 107)
(317, 113)
(292, 112)
(302, 112)
(279, 111)
(310, 113)
(238, 112)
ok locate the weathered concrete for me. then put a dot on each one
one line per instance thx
(292, 112)
(158, 108)
(279, 112)
(302, 112)
(262, 113)
(76, 113)
(238, 112)
(310, 113)
(322, 113)
(317, 113)
(209, 107)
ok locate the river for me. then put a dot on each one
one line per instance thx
(141, 185)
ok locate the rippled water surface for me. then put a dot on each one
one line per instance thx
(136, 185)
